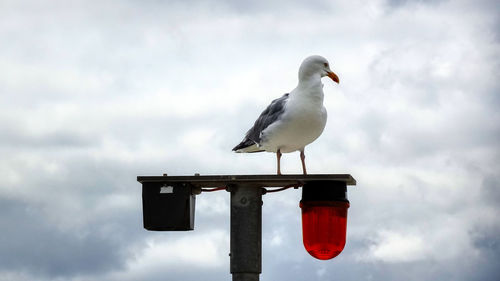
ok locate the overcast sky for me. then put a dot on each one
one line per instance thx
(95, 93)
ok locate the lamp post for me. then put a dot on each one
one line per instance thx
(169, 205)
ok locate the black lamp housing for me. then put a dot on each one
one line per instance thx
(168, 207)
(324, 191)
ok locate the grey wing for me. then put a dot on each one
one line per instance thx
(272, 113)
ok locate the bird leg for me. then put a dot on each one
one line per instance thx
(302, 158)
(278, 157)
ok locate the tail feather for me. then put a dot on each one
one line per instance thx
(247, 146)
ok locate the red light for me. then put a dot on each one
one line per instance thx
(324, 225)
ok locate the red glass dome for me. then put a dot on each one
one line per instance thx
(324, 225)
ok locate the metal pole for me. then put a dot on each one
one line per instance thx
(246, 232)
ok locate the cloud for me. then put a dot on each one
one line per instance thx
(34, 245)
(398, 248)
(94, 95)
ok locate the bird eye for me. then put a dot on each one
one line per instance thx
(325, 64)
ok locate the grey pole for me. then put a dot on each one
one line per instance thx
(246, 232)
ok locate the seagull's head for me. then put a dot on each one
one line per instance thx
(316, 65)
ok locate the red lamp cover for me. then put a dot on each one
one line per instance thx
(324, 225)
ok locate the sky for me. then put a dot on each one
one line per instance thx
(96, 93)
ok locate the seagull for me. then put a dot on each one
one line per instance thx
(294, 120)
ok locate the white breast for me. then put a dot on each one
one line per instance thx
(302, 123)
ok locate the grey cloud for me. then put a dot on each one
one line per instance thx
(68, 225)
(69, 201)
(16, 139)
(31, 243)
(427, 270)
(490, 189)
(246, 7)
(486, 240)
(399, 3)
